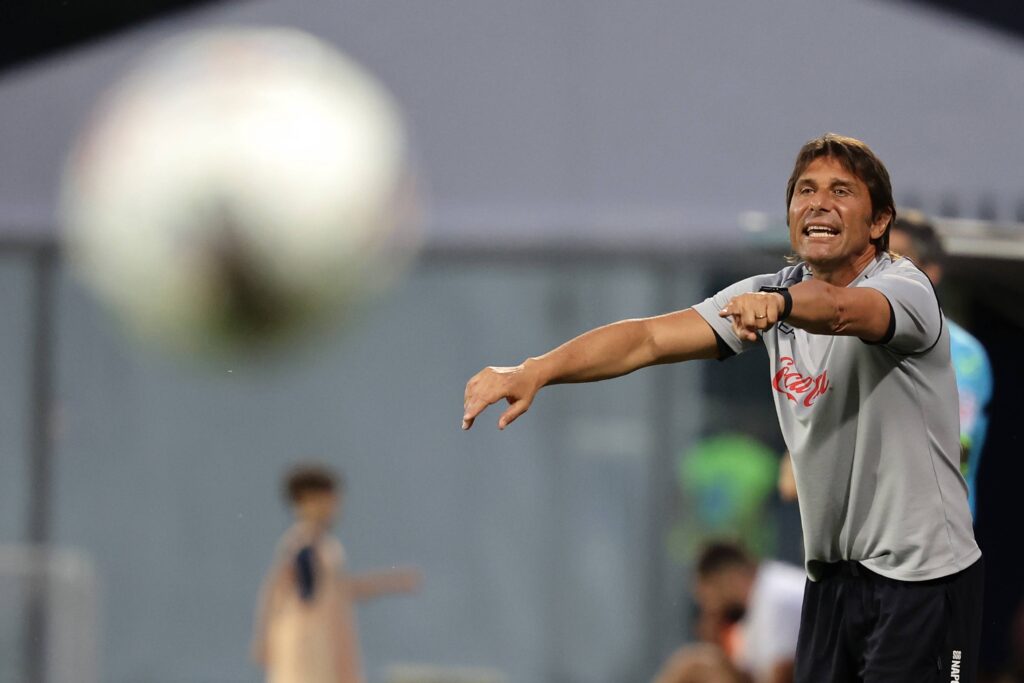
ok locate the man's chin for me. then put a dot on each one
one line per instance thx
(817, 259)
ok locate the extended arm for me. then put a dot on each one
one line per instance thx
(818, 307)
(610, 351)
(370, 585)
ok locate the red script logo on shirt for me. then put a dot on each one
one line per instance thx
(794, 384)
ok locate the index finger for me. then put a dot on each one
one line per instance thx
(471, 409)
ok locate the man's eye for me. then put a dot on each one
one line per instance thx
(842, 192)
(806, 190)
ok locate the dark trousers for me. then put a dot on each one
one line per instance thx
(860, 627)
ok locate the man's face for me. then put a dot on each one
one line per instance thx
(319, 507)
(723, 592)
(830, 224)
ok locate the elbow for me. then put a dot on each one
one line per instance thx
(656, 347)
(831, 310)
(841, 320)
(650, 348)
(835, 316)
(853, 315)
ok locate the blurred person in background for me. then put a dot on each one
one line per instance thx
(750, 610)
(305, 625)
(866, 398)
(701, 663)
(914, 237)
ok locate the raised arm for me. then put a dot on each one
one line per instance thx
(610, 351)
(818, 307)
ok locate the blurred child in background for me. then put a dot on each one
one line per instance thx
(305, 625)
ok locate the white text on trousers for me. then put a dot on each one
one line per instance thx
(954, 669)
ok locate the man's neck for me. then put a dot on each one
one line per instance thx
(842, 274)
(312, 528)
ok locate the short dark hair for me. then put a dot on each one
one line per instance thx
(311, 478)
(717, 556)
(924, 240)
(857, 158)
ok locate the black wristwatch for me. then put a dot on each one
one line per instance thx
(787, 307)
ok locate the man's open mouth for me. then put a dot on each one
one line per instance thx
(820, 231)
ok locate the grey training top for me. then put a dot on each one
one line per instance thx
(873, 429)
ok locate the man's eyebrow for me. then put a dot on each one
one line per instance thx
(841, 182)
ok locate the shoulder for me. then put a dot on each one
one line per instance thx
(334, 550)
(916, 322)
(897, 267)
(291, 540)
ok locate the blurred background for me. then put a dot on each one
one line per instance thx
(580, 162)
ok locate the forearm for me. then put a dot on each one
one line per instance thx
(370, 585)
(609, 351)
(821, 308)
(625, 346)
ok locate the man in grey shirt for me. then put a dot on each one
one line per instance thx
(867, 403)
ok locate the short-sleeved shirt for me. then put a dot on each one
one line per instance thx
(873, 429)
(312, 639)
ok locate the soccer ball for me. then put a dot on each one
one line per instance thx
(239, 187)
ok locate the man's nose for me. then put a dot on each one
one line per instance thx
(821, 201)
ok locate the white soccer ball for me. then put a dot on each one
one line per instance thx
(238, 187)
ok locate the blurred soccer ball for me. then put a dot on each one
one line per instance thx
(240, 187)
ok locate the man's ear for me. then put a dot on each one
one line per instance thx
(880, 223)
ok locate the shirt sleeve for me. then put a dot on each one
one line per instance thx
(916, 322)
(722, 327)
